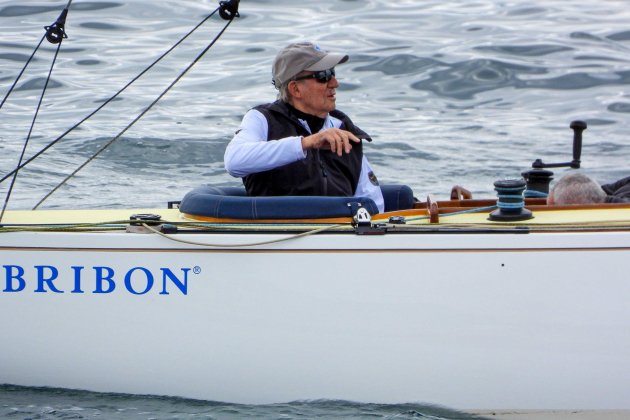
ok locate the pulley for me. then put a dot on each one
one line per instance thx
(56, 32)
(228, 9)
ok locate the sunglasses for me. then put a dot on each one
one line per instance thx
(322, 76)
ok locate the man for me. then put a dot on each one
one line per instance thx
(618, 192)
(301, 144)
(577, 188)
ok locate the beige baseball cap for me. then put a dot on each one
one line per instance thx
(295, 58)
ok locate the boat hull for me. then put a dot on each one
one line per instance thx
(514, 320)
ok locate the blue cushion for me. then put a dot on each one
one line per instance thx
(232, 203)
(397, 197)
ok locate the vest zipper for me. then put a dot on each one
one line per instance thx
(324, 173)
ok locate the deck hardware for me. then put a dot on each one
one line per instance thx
(397, 220)
(362, 217)
(538, 181)
(149, 219)
(168, 228)
(136, 222)
(511, 204)
(538, 178)
(362, 223)
(56, 32)
(228, 9)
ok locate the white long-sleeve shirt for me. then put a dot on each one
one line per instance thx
(249, 152)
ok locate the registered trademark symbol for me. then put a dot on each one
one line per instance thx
(196, 269)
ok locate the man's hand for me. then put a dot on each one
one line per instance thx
(335, 139)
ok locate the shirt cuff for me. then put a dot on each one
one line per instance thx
(300, 154)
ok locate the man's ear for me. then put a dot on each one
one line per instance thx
(294, 89)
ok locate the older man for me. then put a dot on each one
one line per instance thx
(301, 144)
(577, 188)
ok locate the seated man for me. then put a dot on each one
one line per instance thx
(301, 144)
(618, 192)
(577, 188)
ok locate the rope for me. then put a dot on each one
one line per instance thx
(30, 131)
(75, 126)
(251, 244)
(510, 196)
(22, 72)
(120, 225)
(54, 34)
(101, 149)
(535, 194)
(475, 210)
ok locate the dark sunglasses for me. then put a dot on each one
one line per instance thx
(322, 76)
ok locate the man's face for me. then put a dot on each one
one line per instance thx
(316, 97)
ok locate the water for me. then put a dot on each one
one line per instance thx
(453, 92)
(47, 403)
(456, 92)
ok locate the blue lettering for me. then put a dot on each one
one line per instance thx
(52, 279)
(149, 278)
(104, 274)
(41, 279)
(77, 279)
(10, 276)
(181, 285)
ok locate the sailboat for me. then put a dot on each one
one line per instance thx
(498, 302)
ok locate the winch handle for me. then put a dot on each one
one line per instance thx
(578, 127)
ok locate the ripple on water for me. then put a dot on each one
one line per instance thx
(525, 50)
(400, 64)
(465, 79)
(20, 58)
(38, 83)
(623, 107)
(620, 36)
(15, 11)
(445, 80)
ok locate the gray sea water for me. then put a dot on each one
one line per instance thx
(452, 91)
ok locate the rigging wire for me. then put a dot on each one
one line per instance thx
(164, 92)
(75, 126)
(55, 34)
(17, 79)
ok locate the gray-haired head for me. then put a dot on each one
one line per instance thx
(576, 188)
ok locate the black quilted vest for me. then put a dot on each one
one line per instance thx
(320, 173)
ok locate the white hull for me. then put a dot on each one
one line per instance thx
(536, 321)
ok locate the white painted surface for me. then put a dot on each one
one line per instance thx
(448, 320)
